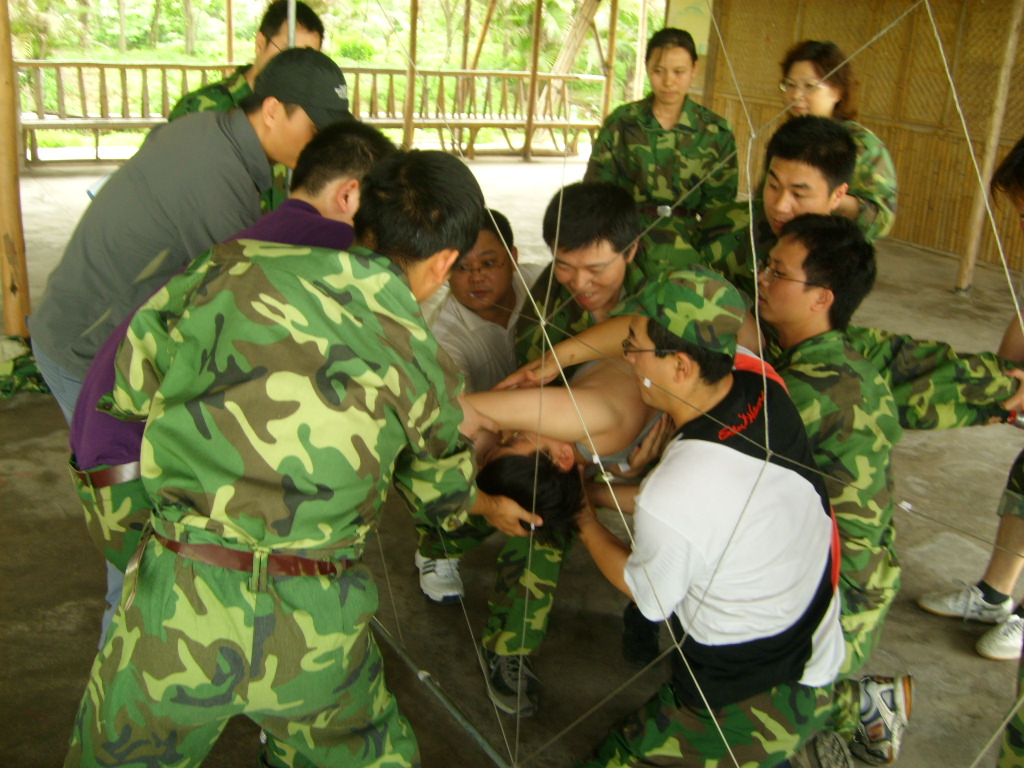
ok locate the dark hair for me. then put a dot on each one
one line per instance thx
(346, 149)
(534, 482)
(819, 142)
(277, 16)
(826, 57)
(670, 37)
(416, 203)
(495, 222)
(253, 102)
(1009, 176)
(587, 212)
(838, 258)
(714, 366)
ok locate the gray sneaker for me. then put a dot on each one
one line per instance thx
(966, 603)
(511, 684)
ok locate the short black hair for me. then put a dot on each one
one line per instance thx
(348, 148)
(588, 212)
(495, 222)
(714, 366)
(670, 37)
(535, 482)
(276, 17)
(418, 202)
(1009, 176)
(819, 142)
(838, 258)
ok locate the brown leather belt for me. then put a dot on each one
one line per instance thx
(103, 478)
(242, 560)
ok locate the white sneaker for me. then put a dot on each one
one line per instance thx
(1003, 641)
(966, 603)
(884, 720)
(439, 579)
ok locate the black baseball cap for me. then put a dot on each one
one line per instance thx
(309, 78)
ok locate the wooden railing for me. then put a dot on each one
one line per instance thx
(458, 104)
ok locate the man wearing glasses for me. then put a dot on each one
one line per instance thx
(476, 318)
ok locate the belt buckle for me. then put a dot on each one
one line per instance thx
(664, 211)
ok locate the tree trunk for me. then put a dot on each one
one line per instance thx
(154, 24)
(84, 24)
(189, 13)
(122, 34)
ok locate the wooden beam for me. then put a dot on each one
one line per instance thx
(483, 33)
(13, 271)
(640, 67)
(231, 29)
(531, 104)
(408, 125)
(965, 276)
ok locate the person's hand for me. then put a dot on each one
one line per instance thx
(648, 450)
(507, 516)
(1015, 402)
(533, 374)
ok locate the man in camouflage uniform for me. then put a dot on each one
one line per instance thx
(711, 534)
(589, 228)
(809, 162)
(816, 276)
(271, 39)
(284, 389)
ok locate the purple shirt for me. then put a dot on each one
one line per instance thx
(99, 438)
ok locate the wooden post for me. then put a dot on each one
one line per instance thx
(609, 83)
(531, 103)
(13, 271)
(965, 276)
(231, 30)
(408, 124)
(483, 33)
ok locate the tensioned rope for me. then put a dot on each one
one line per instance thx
(750, 210)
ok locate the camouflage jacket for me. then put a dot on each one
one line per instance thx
(873, 183)
(661, 166)
(851, 420)
(725, 245)
(220, 97)
(564, 316)
(285, 388)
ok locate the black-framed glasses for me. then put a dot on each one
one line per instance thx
(770, 275)
(629, 349)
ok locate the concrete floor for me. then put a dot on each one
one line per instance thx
(948, 482)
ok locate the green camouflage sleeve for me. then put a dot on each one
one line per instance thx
(215, 97)
(934, 387)
(563, 318)
(873, 183)
(602, 165)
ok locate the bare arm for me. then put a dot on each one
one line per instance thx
(609, 553)
(551, 410)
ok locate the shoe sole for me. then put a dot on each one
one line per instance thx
(446, 600)
(992, 657)
(947, 615)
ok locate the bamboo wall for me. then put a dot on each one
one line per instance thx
(905, 97)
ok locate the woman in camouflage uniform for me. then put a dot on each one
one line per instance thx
(816, 80)
(676, 157)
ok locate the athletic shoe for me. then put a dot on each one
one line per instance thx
(881, 728)
(1003, 641)
(966, 603)
(439, 579)
(825, 749)
(639, 637)
(511, 684)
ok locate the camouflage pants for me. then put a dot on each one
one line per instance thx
(115, 516)
(524, 591)
(198, 646)
(934, 387)
(763, 730)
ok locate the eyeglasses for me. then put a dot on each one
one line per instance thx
(487, 265)
(629, 349)
(770, 275)
(788, 86)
